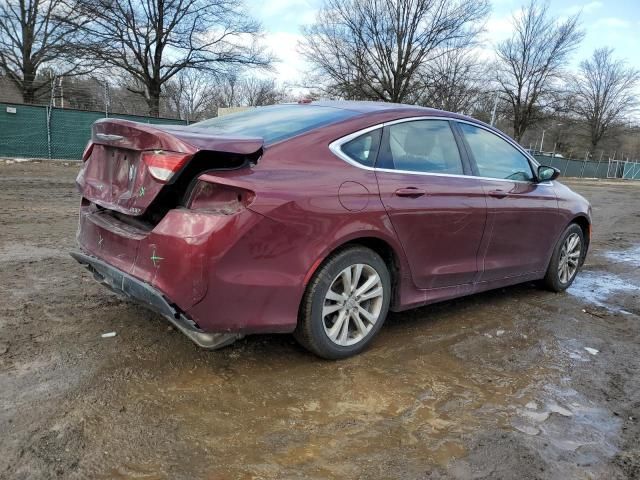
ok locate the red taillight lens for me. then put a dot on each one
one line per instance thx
(87, 151)
(163, 165)
(219, 199)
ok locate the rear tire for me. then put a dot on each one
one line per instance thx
(345, 304)
(566, 259)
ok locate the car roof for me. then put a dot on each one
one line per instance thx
(370, 106)
(403, 110)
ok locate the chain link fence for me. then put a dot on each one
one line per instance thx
(29, 131)
(603, 168)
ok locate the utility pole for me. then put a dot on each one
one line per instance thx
(106, 100)
(61, 85)
(495, 107)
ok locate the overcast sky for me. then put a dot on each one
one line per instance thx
(612, 23)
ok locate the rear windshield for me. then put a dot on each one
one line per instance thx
(276, 122)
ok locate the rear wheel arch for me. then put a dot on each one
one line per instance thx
(378, 245)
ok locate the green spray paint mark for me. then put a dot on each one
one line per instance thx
(100, 241)
(155, 259)
(141, 192)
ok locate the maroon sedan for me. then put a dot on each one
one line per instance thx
(318, 218)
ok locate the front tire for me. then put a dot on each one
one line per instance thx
(345, 304)
(566, 259)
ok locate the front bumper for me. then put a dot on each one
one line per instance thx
(144, 294)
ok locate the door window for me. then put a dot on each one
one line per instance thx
(363, 149)
(421, 146)
(496, 158)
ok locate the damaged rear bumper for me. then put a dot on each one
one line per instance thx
(146, 295)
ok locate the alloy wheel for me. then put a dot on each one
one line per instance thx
(569, 258)
(352, 304)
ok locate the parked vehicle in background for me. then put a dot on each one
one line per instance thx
(318, 218)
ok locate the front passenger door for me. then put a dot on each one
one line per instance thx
(522, 218)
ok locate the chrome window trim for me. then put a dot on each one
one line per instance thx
(336, 150)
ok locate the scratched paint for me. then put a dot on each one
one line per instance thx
(155, 258)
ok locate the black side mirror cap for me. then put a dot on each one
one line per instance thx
(546, 174)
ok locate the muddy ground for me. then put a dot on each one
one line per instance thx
(498, 385)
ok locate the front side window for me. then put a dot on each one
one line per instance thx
(363, 149)
(421, 146)
(496, 158)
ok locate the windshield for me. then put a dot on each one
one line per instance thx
(276, 122)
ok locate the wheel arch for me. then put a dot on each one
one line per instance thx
(585, 225)
(389, 254)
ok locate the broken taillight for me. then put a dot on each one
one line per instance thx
(219, 199)
(163, 165)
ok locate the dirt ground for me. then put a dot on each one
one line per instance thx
(498, 385)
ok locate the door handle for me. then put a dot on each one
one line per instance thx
(498, 193)
(411, 192)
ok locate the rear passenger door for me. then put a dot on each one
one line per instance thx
(520, 222)
(437, 211)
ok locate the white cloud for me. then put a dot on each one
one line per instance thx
(583, 8)
(499, 28)
(291, 66)
(612, 22)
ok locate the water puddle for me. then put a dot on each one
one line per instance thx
(436, 379)
(416, 396)
(598, 288)
(629, 256)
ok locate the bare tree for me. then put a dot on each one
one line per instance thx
(530, 62)
(236, 91)
(36, 34)
(153, 40)
(377, 49)
(227, 92)
(454, 81)
(604, 92)
(263, 91)
(189, 93)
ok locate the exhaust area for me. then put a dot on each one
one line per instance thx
(144, 294)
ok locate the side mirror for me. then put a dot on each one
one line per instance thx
(546, 174)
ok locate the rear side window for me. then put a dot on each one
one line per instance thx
(495, 157)
(421, 146)
(363, 149)
(276, 122)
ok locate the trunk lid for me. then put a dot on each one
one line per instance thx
(128, 164)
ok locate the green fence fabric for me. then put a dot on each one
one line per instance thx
(604, 168)
(24, 132)
(631, 171)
